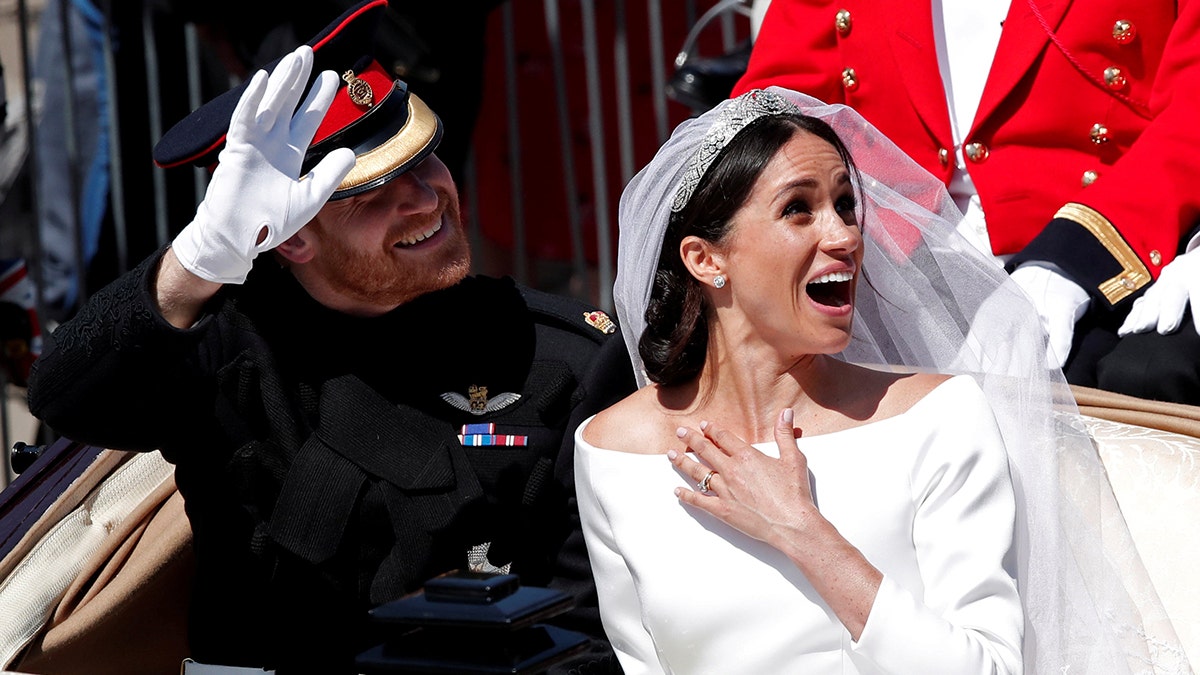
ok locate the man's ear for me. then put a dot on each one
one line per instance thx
(298, 249)
(701, 259)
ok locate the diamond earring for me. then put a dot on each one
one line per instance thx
(719, 281)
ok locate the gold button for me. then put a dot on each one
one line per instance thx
(976, 152)
(850, 79)
(1089, 177)
(944, 156)
(1114, 78)
(1099, 134)
(842, 22)
(1124, 32)
(1127, 283)
(1155, 257)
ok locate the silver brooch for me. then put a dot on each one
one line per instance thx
(730, 120)
(477, 560)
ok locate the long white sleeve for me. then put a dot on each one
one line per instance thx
(619, 604)
(962, 533)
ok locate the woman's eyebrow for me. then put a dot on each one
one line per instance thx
(809, 182)
(806, 183)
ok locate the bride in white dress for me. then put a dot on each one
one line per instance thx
(763, 505)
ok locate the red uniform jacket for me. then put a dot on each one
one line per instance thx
(1085, 149)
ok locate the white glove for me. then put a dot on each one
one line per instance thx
(255, 200)
(1060, 303)
(1163, 304)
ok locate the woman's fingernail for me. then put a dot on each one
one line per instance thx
(678, 492)
(787, 415)
(703, 425)
(681, 432)
(671, 455)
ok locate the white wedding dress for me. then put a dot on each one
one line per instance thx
(925, 495)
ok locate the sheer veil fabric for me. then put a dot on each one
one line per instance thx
(930, 301)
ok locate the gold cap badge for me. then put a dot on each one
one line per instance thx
(358, 89)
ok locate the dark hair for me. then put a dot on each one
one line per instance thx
(675, 343)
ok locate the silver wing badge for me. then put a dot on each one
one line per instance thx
(478, 402)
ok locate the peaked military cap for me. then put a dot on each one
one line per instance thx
(389, 128)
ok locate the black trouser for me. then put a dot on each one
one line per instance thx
(1146, 365)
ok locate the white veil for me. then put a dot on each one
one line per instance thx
(931, 301)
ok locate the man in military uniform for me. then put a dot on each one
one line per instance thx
(1071, 126)
(349, 414)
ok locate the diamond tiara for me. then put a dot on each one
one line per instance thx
(730, 120)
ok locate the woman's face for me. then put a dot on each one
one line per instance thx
(794, 252)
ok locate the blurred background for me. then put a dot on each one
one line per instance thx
(550, 107)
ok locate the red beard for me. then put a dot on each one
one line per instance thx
(377, 277)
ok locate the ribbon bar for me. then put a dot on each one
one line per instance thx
(477, 440)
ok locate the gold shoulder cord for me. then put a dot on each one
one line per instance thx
(1133, 273)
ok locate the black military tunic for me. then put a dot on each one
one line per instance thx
(322, 456)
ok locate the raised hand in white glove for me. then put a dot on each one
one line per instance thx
(257, 198)
(1162, 307)
(1060, 303)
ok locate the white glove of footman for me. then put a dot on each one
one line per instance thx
(1163, 305)
(257, 198)
(1060, 303)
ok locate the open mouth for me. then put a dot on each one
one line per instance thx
(414, 239)
(831, 290)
